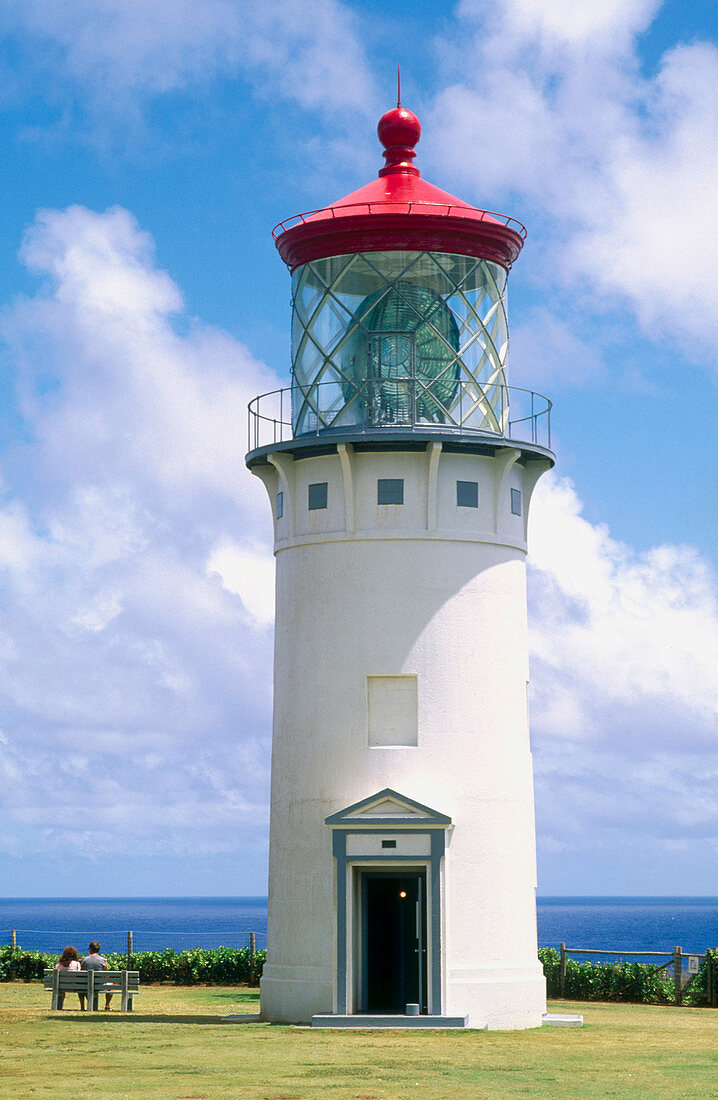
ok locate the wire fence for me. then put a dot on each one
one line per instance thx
(681, 968)
(603, 955)
(54, 942)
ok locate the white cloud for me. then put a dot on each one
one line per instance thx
(249, 573)
(624, 652)
(116, 645)
(606, 23)
(115, 50)
(662, 183)
(628, 627)
(131, 397)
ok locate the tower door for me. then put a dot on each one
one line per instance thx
(393, 941)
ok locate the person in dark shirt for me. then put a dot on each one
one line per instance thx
(95, 961)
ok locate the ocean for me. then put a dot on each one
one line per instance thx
(629, 923)
(621, 924)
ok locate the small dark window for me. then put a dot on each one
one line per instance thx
(317, 495)
(467, 494)
(390, 490)
(388, 844)
(280, 504)
(515, 502)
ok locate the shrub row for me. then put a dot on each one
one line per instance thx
(197, 966)
(639, 983)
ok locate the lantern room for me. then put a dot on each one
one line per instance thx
(399, 306)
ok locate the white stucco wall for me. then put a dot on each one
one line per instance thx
(433, 591)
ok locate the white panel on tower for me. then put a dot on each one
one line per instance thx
(392, 711)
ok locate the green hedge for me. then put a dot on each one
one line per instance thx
(639, 983)
(219, 966)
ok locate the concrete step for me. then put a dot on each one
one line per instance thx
(558, 1019)
(366, 1020)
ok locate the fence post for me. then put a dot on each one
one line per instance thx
(709, 976)
(13, 945)
(562, 971)
(129, 951)
(252, 944)
(677, 975)
(711, 990)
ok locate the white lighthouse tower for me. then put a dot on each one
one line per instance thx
(400, 467)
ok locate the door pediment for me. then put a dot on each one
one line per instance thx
(388, 808)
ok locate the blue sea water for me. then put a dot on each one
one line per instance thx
(629, 923)
(50, 923)
(619, 923)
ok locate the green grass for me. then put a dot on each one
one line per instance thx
(175, 1046)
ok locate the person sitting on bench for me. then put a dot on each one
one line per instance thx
(95, 961)
(69, 960)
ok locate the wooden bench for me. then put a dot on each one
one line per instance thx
(91, 983)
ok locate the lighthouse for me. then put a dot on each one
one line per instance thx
(399, 466)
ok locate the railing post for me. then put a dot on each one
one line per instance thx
(129, 951)
(562, 971)
(13, 945)
(677, 975)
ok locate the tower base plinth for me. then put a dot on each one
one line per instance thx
(293, 994)
(498, 998)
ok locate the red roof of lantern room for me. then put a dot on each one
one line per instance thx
(399, 211)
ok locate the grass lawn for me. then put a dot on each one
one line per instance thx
(175, 1046)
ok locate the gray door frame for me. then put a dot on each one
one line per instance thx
(419, 820)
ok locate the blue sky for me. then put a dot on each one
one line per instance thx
(149, 148)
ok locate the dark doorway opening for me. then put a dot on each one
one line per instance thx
(394, 940)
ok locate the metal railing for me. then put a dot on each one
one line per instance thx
(384, 206)
(503, 412)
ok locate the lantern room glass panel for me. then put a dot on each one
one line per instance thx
(402, 339)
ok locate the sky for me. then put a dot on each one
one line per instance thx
(149, 147)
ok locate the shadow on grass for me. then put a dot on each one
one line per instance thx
(230, 995)
(112, 1019)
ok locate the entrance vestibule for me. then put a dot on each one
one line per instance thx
(388, 946)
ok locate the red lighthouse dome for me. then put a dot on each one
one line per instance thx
(399, 211)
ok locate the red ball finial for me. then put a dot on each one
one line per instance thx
(399, 131)
(399, 127)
